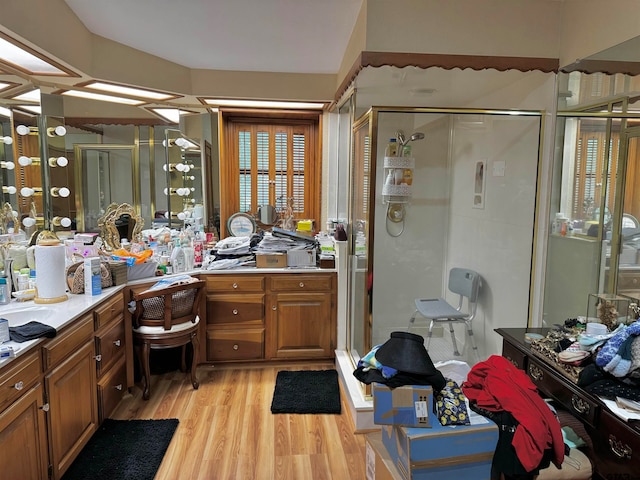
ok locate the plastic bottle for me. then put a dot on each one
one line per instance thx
(5, 296)
(406, 151)
(392, 148)
(178, 260)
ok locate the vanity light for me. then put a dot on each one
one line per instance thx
(8, 165)
(26, 161)
(29, 191)
(28, 222)
(61, 222)
(181, 167)
(60, 192)
(181, 216)
(191, 178)
(6, 140)
(58, 131)
(24, 130)
(58, 162)
(9, 189)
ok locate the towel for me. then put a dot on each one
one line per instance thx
(31, 331)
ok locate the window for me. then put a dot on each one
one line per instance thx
(270, 160)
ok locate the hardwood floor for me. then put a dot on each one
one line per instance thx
(227, 430)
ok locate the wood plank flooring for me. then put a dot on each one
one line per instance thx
(227, 430)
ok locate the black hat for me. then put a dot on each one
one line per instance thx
(405, 352)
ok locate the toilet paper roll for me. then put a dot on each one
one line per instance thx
(50, 273)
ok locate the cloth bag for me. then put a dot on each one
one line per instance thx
(75, 276)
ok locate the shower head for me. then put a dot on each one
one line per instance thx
(416, 136)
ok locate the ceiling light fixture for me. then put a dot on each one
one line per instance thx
(225, 102)
(101, 97)
(129, 91)
(37, 109)
(30, 96)
(21, 57)
(5, 112)
(170, 114)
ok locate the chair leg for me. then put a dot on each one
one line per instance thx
(183, 358)
(429, 335)
(195, 343)
(412, 320)
(146, 371)
(473, 341)
(453, 340)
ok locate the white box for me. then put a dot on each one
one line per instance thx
(92, 279)
(4, 330)
(301, 258)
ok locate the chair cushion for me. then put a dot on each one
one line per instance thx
(437, 309)
(160, 329)
(181, 304)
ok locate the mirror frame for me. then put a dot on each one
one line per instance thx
(107, 224)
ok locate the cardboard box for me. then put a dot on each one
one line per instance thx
(118, 272)
(443, 452)
(92, 277)
(271, 260)
(409, 405)
(379, 464)
(301, 258)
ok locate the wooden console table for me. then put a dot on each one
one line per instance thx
(616, 443)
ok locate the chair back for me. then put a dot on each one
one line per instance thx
(167, 306)
(465, 283)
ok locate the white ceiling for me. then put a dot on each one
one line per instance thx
(300, 36)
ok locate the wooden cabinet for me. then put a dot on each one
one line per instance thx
(235, 317)
(71, 392)
(301, 316)
(23, 431)
(271, 316)
(110, 343)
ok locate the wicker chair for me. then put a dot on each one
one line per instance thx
(166, 318)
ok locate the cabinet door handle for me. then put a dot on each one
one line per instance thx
(117, 343)
(235, 311)
(118, 387)
(235, 285)
(536, 373)
(19, 385)
(45, 407)
(301, 284)
(619, 449)
(98, 358)
(579, 404)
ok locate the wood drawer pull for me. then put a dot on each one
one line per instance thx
(235, 346)
(235, 285)
(19, 385)
(301, 284)
(117, 343)
(118, 387)
(619, 449)
(235, 311)
(511, 360)
(579, 405)
(536, 373)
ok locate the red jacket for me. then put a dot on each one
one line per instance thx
(497, 385)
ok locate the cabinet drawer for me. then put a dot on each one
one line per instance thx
(577, 402)
(110, 345)
(515, 356)
(107, 311)
(301, 283)
(111, 387)
(17, 379)
(247, 309)
(235, 283)
(62, 346)
(240, 344)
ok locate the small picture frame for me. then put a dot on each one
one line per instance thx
(479, 183)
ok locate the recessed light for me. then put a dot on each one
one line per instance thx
(225, 102)
(102, 98)
(19, 57)
(171, 114)
(30, 96)
(131, 91)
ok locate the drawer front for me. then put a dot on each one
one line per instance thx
(111, 388)
(235, 283)
(64, 345)
(109, 310)
(301, 283)
(515, 356)
(617, 448)
(240, 344)
(110, 345)
(17, 379)
(246, 309)
(575, 401)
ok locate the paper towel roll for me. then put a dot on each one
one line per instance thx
(50, 274)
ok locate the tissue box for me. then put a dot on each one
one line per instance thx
(443, 452)
(142, 270)
(408, 405)
(301, 258)
(92, 278)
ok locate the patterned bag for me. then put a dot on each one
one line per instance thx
(451, 405)
(75, 276)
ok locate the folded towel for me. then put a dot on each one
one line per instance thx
(31, 331)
